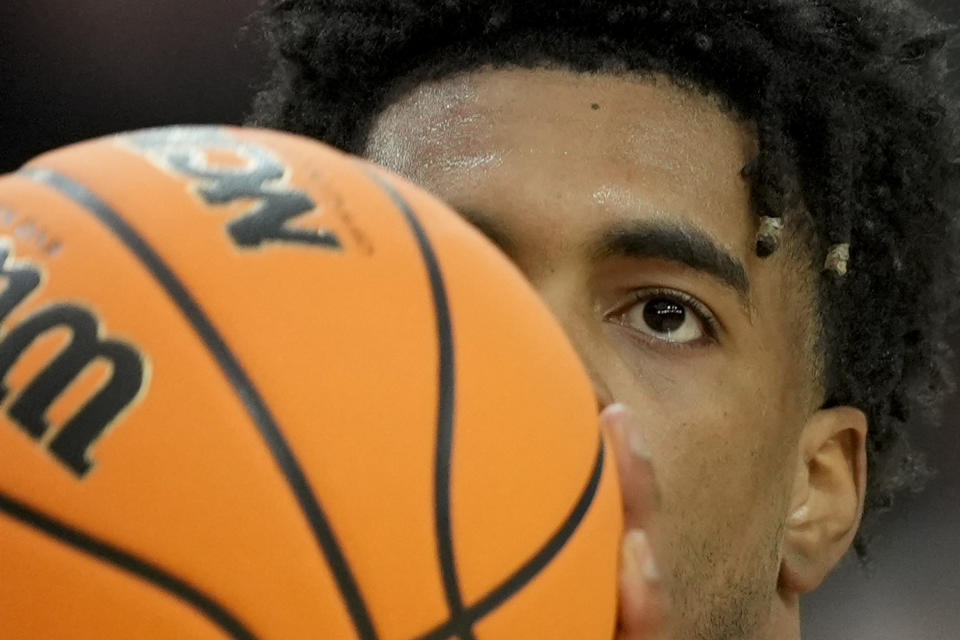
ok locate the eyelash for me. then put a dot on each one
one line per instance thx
(700, 310)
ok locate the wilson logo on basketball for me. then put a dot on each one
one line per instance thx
(28, 406)
(247, 172)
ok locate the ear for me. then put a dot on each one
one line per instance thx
(827, 500)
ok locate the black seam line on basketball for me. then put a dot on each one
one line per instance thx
(127, 562)
(238, 378)
(445, 404)
(532, 567)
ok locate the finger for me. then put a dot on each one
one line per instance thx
(643, 601)
(638, 485)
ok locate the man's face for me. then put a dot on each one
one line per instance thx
(623, 202)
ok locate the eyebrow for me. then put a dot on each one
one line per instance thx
(494, 232)
(675, 243)
(642, 239)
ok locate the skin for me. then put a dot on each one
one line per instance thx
(617, 196)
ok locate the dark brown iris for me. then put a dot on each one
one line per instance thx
(664, 316)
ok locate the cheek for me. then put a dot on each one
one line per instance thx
(714, 430)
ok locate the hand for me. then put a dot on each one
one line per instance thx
(643, 601)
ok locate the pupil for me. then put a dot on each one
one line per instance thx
(664, 316)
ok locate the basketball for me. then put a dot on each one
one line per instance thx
(253, 387)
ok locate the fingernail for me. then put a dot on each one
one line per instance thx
(650, 572)
(610, 415)
(635, 439)
(627, 425)
(640, 555)
(616, 407)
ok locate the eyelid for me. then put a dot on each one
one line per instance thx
(708, 321)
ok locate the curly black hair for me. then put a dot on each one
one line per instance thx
(853, 118)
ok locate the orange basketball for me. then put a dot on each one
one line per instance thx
(255, 388)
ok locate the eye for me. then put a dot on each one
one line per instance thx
(668, 316)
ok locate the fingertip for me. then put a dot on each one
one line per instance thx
(613, 411)
(622, 421)
(612, 425)
(642, 599)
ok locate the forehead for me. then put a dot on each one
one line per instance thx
(611, 145)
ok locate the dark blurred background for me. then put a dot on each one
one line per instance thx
(76, 69)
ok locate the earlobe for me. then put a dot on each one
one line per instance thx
(827, 498)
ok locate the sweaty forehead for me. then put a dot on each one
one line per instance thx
(618, 138)
(499, 108)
